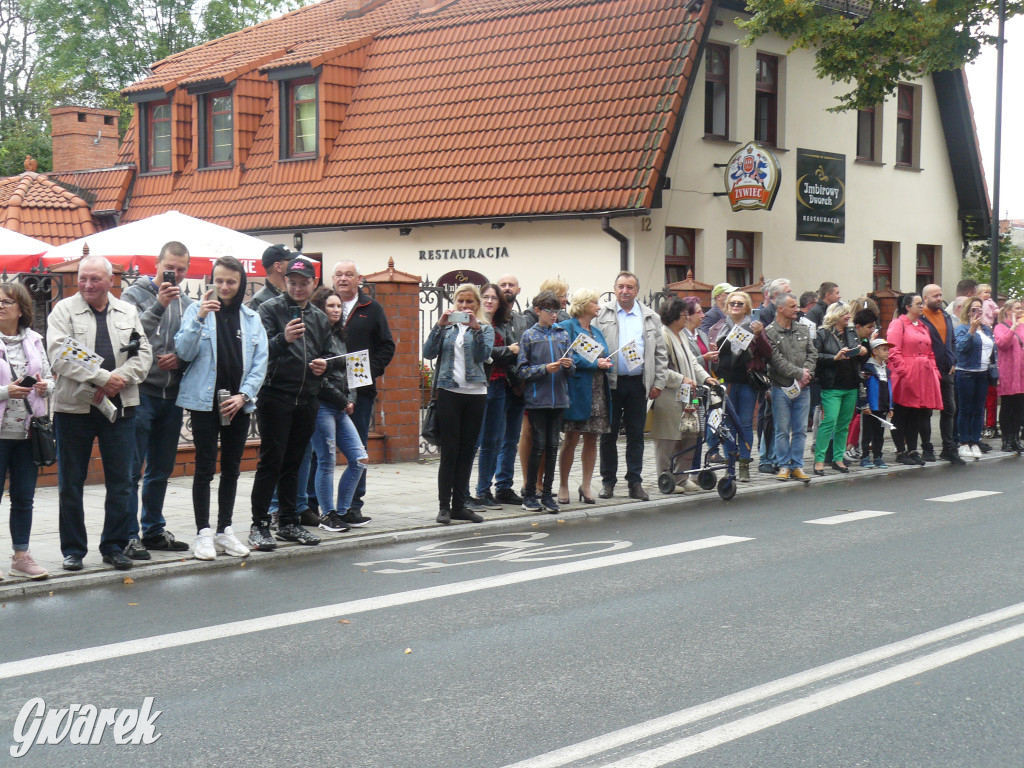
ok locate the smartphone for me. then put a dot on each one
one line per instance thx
(28, 381)
(169, 277)
(458, 317)
(852, 352)
(296, 313)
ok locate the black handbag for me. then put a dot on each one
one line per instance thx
(44, 441)
(430, 430)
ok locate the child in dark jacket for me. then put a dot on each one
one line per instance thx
(545, 369)
(878, 403)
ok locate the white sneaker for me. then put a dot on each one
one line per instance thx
(203, 548)
(976, 451)
(229, 543)
(965, 452)
(689, 486)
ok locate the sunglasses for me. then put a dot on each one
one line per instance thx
(737, 304)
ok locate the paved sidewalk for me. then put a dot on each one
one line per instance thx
(401, 499)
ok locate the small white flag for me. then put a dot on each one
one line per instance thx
(792, 392)
(357, 368)
(739, 338)
(585, 347)
(71, 351)
(631, 356)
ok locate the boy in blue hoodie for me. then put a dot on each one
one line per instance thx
(545, 368)
(878, 403)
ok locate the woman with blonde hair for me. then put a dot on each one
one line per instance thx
(462, 340)
(1009, 336)
(588, 413)
(838, 372)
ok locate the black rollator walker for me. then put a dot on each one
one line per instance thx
(713, 412)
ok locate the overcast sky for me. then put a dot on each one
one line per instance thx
(982, 78)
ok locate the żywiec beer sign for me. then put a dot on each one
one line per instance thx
(752, 178)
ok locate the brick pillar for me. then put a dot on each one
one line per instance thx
(397, 415)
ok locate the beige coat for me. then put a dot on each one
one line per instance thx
(666, 410)
(73, 317)
(654, 345)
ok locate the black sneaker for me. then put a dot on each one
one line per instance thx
(466, 514)
(136, 550)
(355, 519)
(905, 458)
(766, 469)
(474, 505)
(73, 563)
(917, 459)
(489, 501)
(260, 538)
(296, 533)
(928, 455)
(508, 496)
(531, 504)
(985, 447)
(332, 521)
(310, 517)
(952, 458)
(165, 542)
(119, 560)
(444, 516)
(550, 505)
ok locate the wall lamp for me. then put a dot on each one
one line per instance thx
(497, 225)
(297, 241)
(404, 231)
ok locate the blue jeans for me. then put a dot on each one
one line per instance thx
(492, 434)
(790, 427)
(971, 390)
(75, 435)
(361, 416)
(157, 429)
(16, 462)
(334, 430)
(506, 460)
(743, 398)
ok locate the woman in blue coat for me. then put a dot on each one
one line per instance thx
(588, 413)
(226, 344)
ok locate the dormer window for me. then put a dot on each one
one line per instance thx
(216, 118)
(299, 125)
(156, 153)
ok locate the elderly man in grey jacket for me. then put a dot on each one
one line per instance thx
(96, 402)
(622, 321)
(790, 369)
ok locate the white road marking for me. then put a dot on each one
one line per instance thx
(277, 621)
(848, 517)
(745, 726)
(965, 496)
(634, 733)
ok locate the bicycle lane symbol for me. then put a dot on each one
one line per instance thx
(503, 547)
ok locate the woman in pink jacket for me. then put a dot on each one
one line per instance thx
(916, 388)
(1009, 334)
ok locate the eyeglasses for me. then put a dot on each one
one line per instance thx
(737, 304)
(7, 302)
(549, 311)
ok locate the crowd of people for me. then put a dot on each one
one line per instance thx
(567, 372)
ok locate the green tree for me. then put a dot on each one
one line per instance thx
(978, 265)
(891, 41)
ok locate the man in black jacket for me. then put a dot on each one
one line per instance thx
(299, 337)
(366, 327)
(945, 360)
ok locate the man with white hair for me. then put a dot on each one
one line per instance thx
(765, 417)
(96, 404)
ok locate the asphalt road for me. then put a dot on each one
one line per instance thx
(724, 634)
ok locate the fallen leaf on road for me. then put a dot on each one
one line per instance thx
(343, 621)
(408, 650)
(129, 580)
(132, 603)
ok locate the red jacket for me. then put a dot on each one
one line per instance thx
(915, 378)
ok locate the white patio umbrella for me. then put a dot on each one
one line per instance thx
(139, 244)
(18, 252)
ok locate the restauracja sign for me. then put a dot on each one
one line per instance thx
(442, 254)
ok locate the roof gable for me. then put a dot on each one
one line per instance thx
(35, 206)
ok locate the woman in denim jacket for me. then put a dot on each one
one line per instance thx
(461, 348)
(226, 346)
(975, 357)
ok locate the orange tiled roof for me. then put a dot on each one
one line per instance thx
(484, 109)
(105, 189)
(35, 206)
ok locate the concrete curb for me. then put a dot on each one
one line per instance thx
(362, 540)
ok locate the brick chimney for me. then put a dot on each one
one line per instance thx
(84, 138)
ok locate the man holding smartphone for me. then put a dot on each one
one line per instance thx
(299, 338)
(160, 303)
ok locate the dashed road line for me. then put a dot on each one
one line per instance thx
(848, 517)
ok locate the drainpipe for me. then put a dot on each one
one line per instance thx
(606, 227)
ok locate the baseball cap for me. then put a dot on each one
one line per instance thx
(721, 288)
(274, 254)
(301, 265)
(876, 343)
